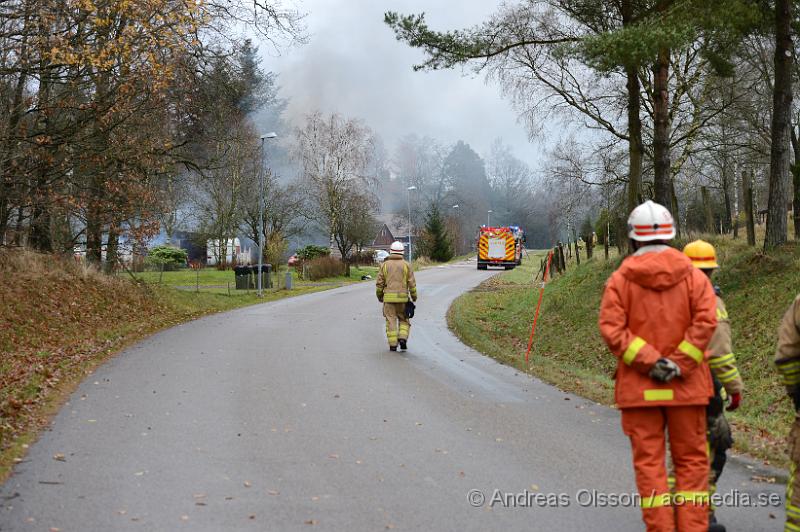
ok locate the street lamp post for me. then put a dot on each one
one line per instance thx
(271, 135)
(458, 227)
(408, 198)
(488, 218)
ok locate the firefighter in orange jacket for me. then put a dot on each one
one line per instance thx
(393, 288)
(657, 316)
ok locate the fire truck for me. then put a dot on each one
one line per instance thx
(500, 246)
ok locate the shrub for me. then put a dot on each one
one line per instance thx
(312, 252)
(365, 258)
(323, 267)
(167, 257)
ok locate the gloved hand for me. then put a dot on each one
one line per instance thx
(664, 370)
(794, 394)
(736, 398)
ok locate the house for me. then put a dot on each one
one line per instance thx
(383, 240)
(235, 252)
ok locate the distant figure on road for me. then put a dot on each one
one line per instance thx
(394, 286)
(657, 316)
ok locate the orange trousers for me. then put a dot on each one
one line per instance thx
(686, 509)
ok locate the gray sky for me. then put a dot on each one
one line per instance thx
(353, 64)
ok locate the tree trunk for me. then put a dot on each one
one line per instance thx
(635, 150)
(795, 168)
(94, 239)
(662, 169)
(781, 111)
(674, 208)
(112, 247)
(577, 249)
(748, 209)
(738, 202)
(18, 240)
(709, 215)
(7, 154)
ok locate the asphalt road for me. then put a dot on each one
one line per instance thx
(293, 415)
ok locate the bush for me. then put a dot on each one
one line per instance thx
(167, 257)
(323, 267)
(365, 258)
(312, 252)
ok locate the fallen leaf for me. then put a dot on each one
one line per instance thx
(251, 516)
(273, 492)
(247, 483)
(333, 456)
(60, 457)
(311, 522)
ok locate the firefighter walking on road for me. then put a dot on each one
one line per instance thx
(728, 385)
(787, 358)
(657, 316)
(394, 287)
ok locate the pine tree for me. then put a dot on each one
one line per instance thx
(436, 242)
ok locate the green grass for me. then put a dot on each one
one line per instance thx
(568, 351)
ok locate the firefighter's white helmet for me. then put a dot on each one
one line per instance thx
(651, 221)
(397, 248)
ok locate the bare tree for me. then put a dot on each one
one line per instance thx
(334, 156)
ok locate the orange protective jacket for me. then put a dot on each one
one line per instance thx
(658, 305)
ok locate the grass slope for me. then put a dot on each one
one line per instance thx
(568, 351)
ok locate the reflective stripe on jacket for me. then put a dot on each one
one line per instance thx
(395, 281)
(787, 354)
(721, 359)
(658, 305)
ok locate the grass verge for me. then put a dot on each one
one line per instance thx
(568, 352)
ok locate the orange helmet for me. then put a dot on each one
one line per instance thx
(702, 254)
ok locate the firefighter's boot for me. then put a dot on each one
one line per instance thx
(403, 343)
(392, 348)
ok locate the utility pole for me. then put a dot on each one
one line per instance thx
(408, 198)
(261, 211)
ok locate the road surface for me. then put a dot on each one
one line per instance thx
(293, 415)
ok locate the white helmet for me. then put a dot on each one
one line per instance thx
(651, 221)
(397, 248)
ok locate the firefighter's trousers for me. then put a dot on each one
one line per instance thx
(793, 486)
(686, 509)
(719, 441)
(397, 325)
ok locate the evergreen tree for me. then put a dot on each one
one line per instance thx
(436, 243)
